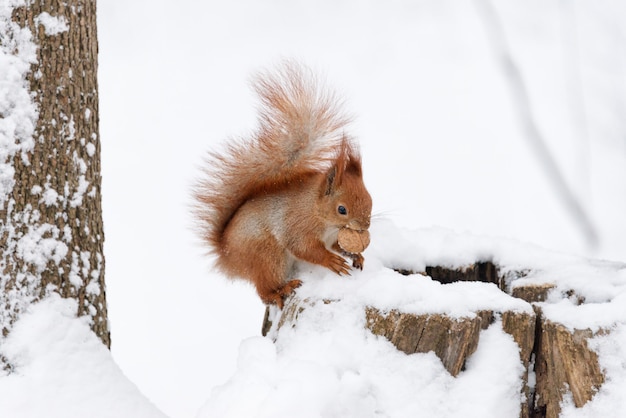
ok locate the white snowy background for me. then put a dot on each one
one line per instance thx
(439, 129)
(443, 144)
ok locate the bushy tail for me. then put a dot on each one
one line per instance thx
(300, 133)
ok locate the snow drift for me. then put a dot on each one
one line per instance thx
(60, 368)
(328, 364)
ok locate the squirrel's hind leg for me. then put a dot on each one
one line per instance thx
(259, 259)
(271, 273)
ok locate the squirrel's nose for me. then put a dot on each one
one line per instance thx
(358, 225)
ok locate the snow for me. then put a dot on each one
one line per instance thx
(50, 197)
(36, 250)
(61, 369)
(81, 188)
(18, 113)
(381, 287)
(53, 25)
(439, 133)
(329, 365)
(442, 145)
(91, 149)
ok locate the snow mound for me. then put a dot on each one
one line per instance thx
(61, 369)
(330, 365)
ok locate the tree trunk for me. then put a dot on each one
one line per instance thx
(51, 234)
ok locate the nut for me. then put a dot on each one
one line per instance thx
(353, 241)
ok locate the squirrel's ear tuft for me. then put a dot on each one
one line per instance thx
(330, 181)
(347, 161)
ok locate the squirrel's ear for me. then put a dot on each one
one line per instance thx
(347, 161)
(335, 174)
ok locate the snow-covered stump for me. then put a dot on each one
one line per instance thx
(557, 357)
(454, 340)
(563, 362)
(515, 331)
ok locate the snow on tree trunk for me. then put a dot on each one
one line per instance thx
(51, 234)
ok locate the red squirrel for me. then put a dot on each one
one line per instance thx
(284, 193)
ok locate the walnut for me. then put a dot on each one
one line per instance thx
(353, 241)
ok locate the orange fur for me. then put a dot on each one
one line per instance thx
(272, 199)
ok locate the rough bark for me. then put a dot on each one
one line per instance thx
(56, 198)
(522, 327)
(564, 363)
(530, 294)
(452, 339)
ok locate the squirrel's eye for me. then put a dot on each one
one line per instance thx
(342, 210)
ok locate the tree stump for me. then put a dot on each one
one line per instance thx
(452, 339)
(560, 359)
(564, 363)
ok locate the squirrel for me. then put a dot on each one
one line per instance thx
(283, 194)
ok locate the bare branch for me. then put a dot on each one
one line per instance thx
(521, 100)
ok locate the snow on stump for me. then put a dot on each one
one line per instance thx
(454, 340)
(563, 362)
(557, 356)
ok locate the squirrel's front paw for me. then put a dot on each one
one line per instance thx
(338, 264)
(357, 261)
